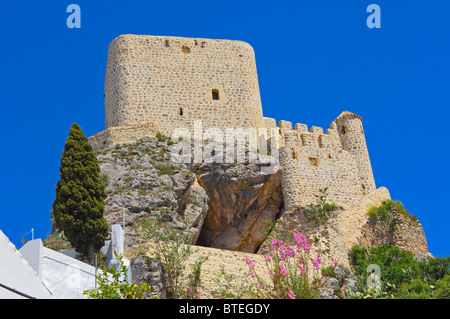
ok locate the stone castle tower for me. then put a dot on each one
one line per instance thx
(171, 81)
(158, 83)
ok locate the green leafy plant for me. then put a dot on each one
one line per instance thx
(113, 284)
(164, 169)
(195, 279)
(319, 212)
(385, 213)
(231, 286)
(402, 276)
(173, 248)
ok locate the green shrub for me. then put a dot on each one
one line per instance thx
(385, 214)
(165, 169)
(442, 288)
(319, 212)
(113, 284)
(402, 276)
(104, 179)
(434, 269)
(416, 289)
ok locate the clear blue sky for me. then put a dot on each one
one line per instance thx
(314, 60)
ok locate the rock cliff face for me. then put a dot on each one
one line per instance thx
(229, 206)
(243, 202)
(142, 182)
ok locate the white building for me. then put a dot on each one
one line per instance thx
(35, 271)
(18, 280)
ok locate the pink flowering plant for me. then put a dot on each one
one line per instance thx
(293, 273)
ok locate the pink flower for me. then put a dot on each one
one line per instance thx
(283, 270)
(271, 273)
(302, 270)
(250, 264)
(291, 294)
(335, 262)
(274, 243)
(252, 275)
(261, 286)
(268, 258)
(302, 243)
(316, 262)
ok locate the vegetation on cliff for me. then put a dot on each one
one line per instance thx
(398, 274)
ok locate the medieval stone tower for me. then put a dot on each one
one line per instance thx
(171, 81)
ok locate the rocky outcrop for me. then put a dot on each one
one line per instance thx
(407, 234)
(228, 206)
(243, 202)
(339, 286)
(143, 183)
(146, 270)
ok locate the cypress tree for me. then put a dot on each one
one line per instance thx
(79, 202)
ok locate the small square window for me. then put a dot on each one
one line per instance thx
(215, 95)
(314, 161)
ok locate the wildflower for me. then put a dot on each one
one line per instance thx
(274, 243)
(335, 262)
(261, 286)
(250, 264)
(302, 243)
(252, 275)
(290, 252)
(316, 262)
(268, 258)
(283, 270)
(291, 294)
(302, 270)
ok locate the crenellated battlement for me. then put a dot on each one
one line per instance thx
(312, 159)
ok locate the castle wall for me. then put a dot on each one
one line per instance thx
(169, 81)
(313, 160)
(121, 135)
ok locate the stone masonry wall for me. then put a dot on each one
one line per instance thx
(233, 263)
(170, 81)
(313, 160)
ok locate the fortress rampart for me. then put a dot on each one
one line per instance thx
(312, 160)
(159, 84)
